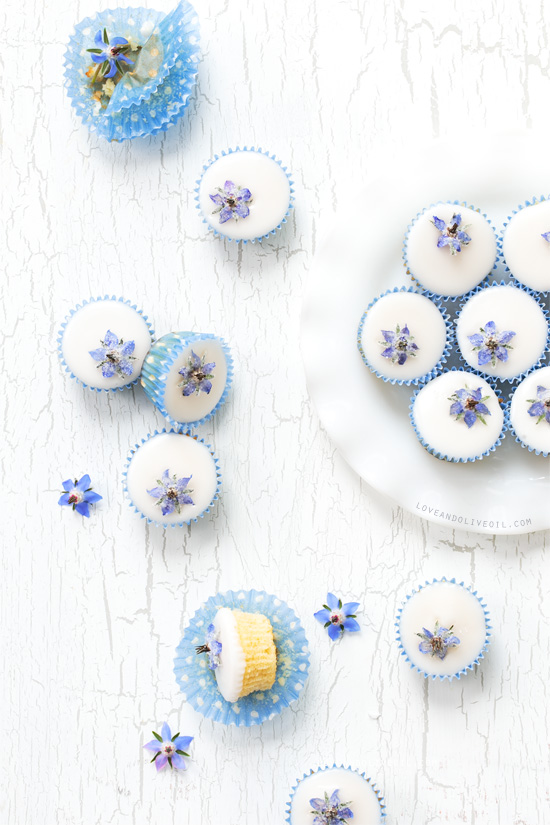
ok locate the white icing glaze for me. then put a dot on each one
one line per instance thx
(511, 309)
(425, 323)
(442, 431)
(439, 271)
(189, 408)
(230, 673)
(268, 185)
(534, 435)
(180, 454)
(526, 252)
(351, 787)
(85, 330)
(450, 604)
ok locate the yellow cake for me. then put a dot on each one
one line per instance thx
(248, 658)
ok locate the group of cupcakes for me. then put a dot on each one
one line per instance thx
(497, 329)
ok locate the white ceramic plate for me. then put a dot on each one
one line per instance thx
(507, 492)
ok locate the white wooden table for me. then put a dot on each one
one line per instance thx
(92, 610)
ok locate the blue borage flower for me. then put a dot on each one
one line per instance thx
(540, 406)
(196, 375)
(338, 617)
(330, 811)
(109, 55)
(491, 344)
(450, 234)
(469, 405)
(438, 642)
(399, 344)
(79, 495)
(515, 280)
(209, 163)
(168, 749)
(114, 356)
(172, 493)
(212, 646)
(232, 202)
(329, 768)
(442, 677)
(546, 236)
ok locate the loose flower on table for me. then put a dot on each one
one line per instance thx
(169, 749)
(79, 495)
(338, 617)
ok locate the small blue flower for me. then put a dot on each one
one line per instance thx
(196, 375)
(79, 495)
(338, 617)
(450, 234)
(469, 404)
(231, 202)
(114, 356)
(491, 344)
(109, 55)
(211, 646)
(401, 344)
(172, 493)
(540, 406)
(438, 642)
(546, 236)
(169, 749)
(330, 811)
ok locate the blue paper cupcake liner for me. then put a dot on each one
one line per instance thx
(160, 523)
(427, 292)
(513, 278)
(437, 453)
(489, 376)
(446, 350)
(62, 331)
(329, 768)
(156, 105)
(510, 428)
(158, 363)
(216, 232)
(479, 657)
(198, 683)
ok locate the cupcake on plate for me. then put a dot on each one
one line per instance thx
(450, 248)
(243, 658)
(172, 478)
(103, 343)
(530, 412)
(404, 337)
(443, 629)
(327, 796)
(244, 194)
(502, 331)
(457, 417)
(187, 375)
(526, 244)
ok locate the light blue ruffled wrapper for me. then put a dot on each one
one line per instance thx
(146, 108)
(443, 456)
(497, 378)
(62, 331)
(198, 683)
(158, 362)
(446, 350)
(510, 428)
(218, 233)
(329, 768)
(442, 677)
(159, 522)
(516, 281)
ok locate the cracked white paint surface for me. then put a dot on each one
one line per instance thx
(92, 610)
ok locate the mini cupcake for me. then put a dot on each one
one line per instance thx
(450, 248)
(327, 796)
(443, 629)
(187, 376)
(530, 412)
(457, 417)
(243, 658)
(103, 343)
(244, 194)
(404, 337)
(130, 72)
(526, 244)
(172, 478)
(502, 331)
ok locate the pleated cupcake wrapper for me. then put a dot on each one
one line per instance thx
(198, 683)
(62, 332)
(515, 280)
(159, 522)
(490, 376)
(314, 771)
(159, 361)
(153, 106)
(218, 232)
(430, 293)
(479, 657)
(515, 436)
(446, 350)
(444, 456)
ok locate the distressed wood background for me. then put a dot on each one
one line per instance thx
(92, 610)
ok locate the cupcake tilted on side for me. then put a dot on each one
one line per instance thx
(526, 244)
(328, 796)
(530, 412)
